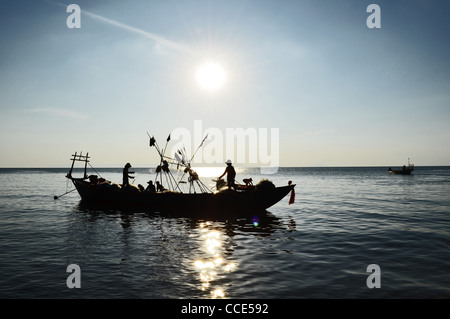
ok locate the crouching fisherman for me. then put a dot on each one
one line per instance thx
(159, 187)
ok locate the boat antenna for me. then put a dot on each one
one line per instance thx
(79, 158)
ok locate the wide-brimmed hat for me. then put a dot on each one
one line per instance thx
(228, 162)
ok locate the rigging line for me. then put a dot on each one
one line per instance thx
(95, 170)
(168, 185)
(192, 158)
(174, 182)
(205, 188)
(68, 184)
(169, 181)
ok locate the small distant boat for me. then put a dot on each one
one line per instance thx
(405, 170)
(225, 201)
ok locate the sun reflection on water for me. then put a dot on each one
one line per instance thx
(213, 264)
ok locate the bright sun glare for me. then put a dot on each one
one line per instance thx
(211, 76)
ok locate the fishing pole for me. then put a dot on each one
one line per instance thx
(192, 158)
(56, 197)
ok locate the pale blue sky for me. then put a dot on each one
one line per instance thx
(340, 94)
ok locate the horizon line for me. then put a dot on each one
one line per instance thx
(256, 167)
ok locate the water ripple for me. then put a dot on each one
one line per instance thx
(319, 247)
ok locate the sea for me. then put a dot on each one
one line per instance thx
(352, 233)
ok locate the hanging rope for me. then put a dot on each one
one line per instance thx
(95, 170)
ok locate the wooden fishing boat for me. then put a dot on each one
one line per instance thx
(223, 200)
(199, 198)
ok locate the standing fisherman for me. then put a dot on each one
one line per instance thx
(126, 175)
(231, 174)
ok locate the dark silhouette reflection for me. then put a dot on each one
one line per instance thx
(256, 222)
(178, 251)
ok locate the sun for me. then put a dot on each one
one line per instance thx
(211, 76)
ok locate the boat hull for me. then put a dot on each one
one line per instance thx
(175, 201)
(401, 172)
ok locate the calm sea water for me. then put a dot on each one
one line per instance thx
(343, 220)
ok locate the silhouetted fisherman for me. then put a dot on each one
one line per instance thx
(231, 175)
(126, 175)
(159, 187)
(151, 187)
